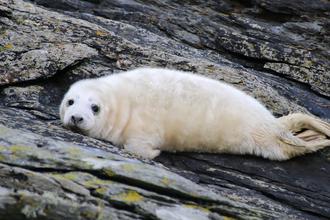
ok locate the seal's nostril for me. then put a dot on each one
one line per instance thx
(77, 119)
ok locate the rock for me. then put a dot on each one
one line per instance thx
(278, 52)
(43, 63)
(147, 188)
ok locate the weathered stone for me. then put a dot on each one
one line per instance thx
(24, 150)
(276, 51)
(5, 12)
(44, 63)
(318, 79)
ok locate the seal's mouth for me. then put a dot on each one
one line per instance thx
(76, 129)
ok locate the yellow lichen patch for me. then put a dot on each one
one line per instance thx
(8, 46)
(18, 154)
(99, 213)
(75, 151)
(20, 148)
(99, 32)
(85, 164)
(196, 207)
(131, 196)
(2, 158)
(166, 179)
(91, 184)
(228, 218)
(19, 151)
(109, 172)
(68, 176)
(102, 189)
(21, 21)
(89, 215)
(94, 183)
(3, 130)
(128, 168)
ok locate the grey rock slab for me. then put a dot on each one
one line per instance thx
(145, 202)
(43, 63)
(255, 48)
(23, 204)
(33, 151)
(23, 149)
(319, 79)
(301, 183)
(182, 35)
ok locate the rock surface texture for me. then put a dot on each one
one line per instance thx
(276, 51)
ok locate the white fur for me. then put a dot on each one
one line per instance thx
(148, 110)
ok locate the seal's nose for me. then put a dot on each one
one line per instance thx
(76, 119)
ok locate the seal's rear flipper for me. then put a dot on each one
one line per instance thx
(297, 122)
(310, 135)
(315, 137)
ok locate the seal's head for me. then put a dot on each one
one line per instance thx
(82, 109)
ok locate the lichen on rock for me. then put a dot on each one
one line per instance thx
(277, 52)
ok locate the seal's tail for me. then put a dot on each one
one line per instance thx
(307, 135)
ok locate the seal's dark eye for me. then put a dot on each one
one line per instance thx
(95, 109)
(70, 102)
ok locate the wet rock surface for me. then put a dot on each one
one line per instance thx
(276, 51)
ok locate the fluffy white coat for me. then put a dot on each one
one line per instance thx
(148, 110)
